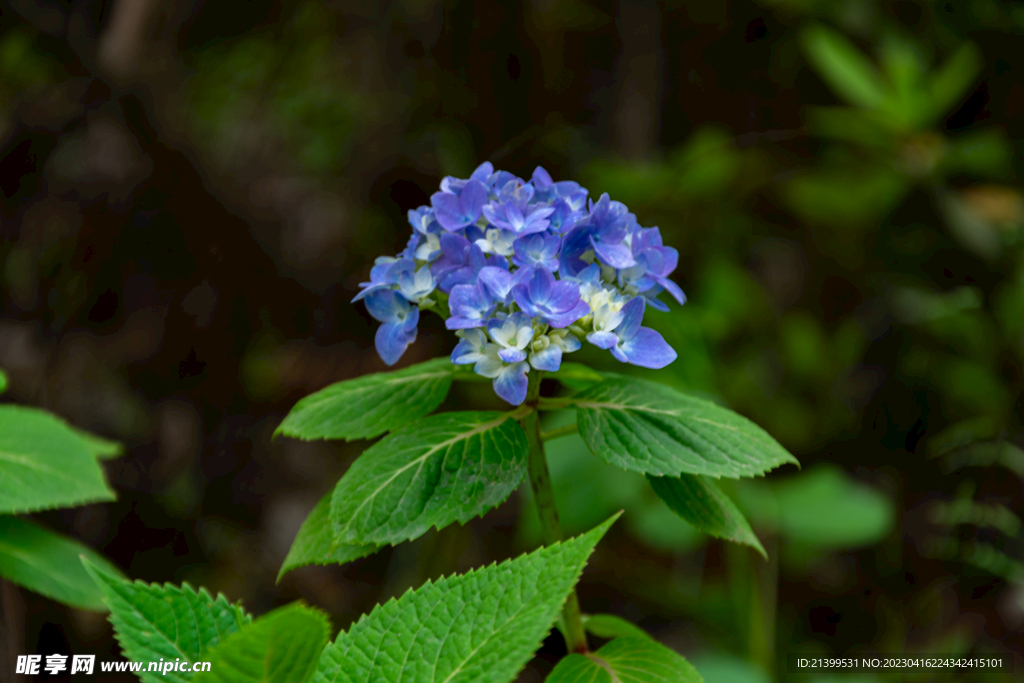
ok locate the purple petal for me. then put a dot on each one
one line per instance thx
(540, 285)
(511, 383)
(497, 281)
(482, 172)
(448, 211)
(648, 349)
(672, 288)
(569, 317)
(614, 255)
(564, 295)
(541, 179)
(632, 316)
(472, 199)
(391, 341)
(603, 340)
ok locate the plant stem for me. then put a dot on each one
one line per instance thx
(551, 527)
(559, 432)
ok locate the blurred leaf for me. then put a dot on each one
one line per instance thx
(986, 454)
(701, 503)
(437, 470)
(282, 646)
(848, 125)
(969, 227)
(845, 68)
(951, 83)
(44, 464)
(576, 376)
(647, 427)
(482, 626)
(825, 508)
(314, 544)
(3, 382)
(803, 344)
(986, 153)
(706, 163)
(626, 660)
(610, 626)
(905, 70)
(845, 197)
(155, 622)
(370, 405)
(723, 668)
(914, 306)
(47, 563)
(962, 434)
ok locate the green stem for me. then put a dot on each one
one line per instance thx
(551, 527)
(560, 432)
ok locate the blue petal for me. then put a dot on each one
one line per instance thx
(564, 295)
(672, 288)
(391, 341)
(448, 211)
(511, 383)
(603, 340)
(648, 349)
(548, 360)
(540, 284)
(614, 255)
(482, 172)
(497, 281)
(512, 355)
(569, 317)
(632, 316)
(541, 179)
(460, 323)
(386, 306)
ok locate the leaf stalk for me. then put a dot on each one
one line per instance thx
(544, 496)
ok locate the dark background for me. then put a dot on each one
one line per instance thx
(191, 192)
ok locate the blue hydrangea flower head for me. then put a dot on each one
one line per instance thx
(524, 271)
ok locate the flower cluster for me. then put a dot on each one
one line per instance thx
(524, 270)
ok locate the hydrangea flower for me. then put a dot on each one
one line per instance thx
(524, 271)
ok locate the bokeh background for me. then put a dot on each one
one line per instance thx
(191, 192)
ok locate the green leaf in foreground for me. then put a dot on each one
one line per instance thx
(283, 646)
(153, 622)
(314, 544)
(626, 660)
(368, 406)
(611, 626)
(47, 563)
(438, 470)
(701, 503)
(482, 626)
(101, 449)
(650, 428)
(45, 464)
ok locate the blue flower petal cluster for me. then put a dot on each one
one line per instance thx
(524, 271)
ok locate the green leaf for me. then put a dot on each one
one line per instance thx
(952, 81)
(153, 622)
(626, 660)
(701, 503)
(845, 68)
(825, 507)
(47, 563)
(368, 406)
(482, 626)
(283, 646)
(314, 544)
(611, 626)
(44, 464)
(650, 428)
(3, 381)
(101, 449)
(438, 470)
